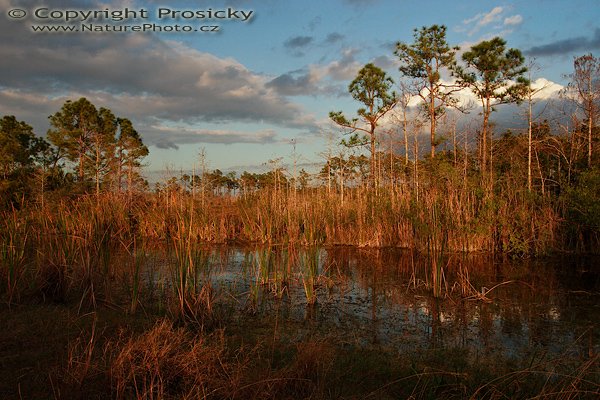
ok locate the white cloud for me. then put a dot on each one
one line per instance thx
(546, 89)
(482, 19)
(490, 17)
(344, 69)
(513, 20)
(331, 78)
(137, 76)
(172, 136)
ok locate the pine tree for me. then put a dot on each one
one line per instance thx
(371, 87)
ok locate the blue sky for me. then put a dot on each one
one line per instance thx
(246, 93)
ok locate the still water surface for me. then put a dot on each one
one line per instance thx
(489, 307)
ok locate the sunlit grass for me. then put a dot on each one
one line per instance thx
(96, 253)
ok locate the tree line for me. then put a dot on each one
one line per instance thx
(86, 149)
(90, 150)
(493, 73)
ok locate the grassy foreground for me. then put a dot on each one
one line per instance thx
(54, 352)
(82, 318)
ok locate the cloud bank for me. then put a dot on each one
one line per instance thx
(139, 76)
(566, 46)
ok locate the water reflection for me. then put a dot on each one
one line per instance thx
(515, 308)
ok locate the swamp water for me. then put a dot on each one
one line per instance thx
(330, 323)
(506, 309)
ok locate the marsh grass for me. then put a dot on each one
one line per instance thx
(310, 263)
(13, 247)
(137, 262)
(66, 249)
(190, 275)
(167, 361)
(171, 356)
(67, 253)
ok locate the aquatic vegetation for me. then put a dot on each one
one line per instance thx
(99, 256)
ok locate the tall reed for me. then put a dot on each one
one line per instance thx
(190, 274)
(309, 260)
(75, 240)
(13, 247)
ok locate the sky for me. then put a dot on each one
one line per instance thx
(261, 87)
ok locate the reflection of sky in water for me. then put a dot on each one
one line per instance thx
(368, 297)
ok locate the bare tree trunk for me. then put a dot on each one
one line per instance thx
(98, 162)
(329, 177)
(81, 173)
(391, 162)
(379, 172)
(416, 163)
(342, 185)
(373, 163)
(405, 130)
(130, 180)
(540, 171)
(466, 163)
(484, 138)
(589, 158)
(529, 145)
(590, 123)
(120, 172)
(432, 121)
(491, 177)
(193, 184)
(454, 142)
(43, 181)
